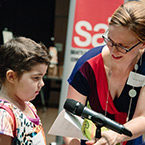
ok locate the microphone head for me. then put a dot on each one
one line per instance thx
(74, 107)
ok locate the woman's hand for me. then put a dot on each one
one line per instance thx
(101, 141)
(107, 138)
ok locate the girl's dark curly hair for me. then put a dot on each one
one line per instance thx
(21, 54)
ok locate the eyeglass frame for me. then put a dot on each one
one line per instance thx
(114, 44)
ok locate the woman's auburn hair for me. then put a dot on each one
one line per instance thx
(131, 15)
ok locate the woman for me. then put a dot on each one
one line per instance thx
(111, 77)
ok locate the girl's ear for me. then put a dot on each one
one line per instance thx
(10, 76)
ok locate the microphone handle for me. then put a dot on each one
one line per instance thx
(101, 120)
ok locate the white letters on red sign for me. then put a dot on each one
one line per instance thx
(89, 39)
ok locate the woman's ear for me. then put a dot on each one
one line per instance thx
(10, 76)
(143, 46)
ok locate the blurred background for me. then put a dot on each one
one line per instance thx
(43, 21)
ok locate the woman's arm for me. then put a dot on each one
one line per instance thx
(73, 94)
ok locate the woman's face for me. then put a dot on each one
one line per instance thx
(28, 86)
(124, 37)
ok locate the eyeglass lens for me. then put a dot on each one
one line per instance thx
(111, 44)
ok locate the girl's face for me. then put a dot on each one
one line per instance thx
(124, 37)
(28, 86)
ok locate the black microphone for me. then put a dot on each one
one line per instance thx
(99, 119)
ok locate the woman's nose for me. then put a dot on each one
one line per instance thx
(114, 49)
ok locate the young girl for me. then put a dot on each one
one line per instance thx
(23, 63)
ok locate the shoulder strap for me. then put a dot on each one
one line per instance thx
(12, 115)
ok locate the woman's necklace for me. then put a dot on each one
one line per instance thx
(132, 92)
(109, 75)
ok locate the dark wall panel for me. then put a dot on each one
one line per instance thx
(29, 18)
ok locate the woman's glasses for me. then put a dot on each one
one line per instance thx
(118, 47)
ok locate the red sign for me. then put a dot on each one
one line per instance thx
(91, 21)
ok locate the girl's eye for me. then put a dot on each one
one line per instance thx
(36, 78)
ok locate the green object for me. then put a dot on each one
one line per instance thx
(88, 129)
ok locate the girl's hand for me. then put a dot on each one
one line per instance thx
(71, 141)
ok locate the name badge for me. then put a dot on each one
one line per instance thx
(136, 80)
(38, 139)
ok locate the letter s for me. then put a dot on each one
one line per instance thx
(83, 33)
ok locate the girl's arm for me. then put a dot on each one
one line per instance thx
(5, 140)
